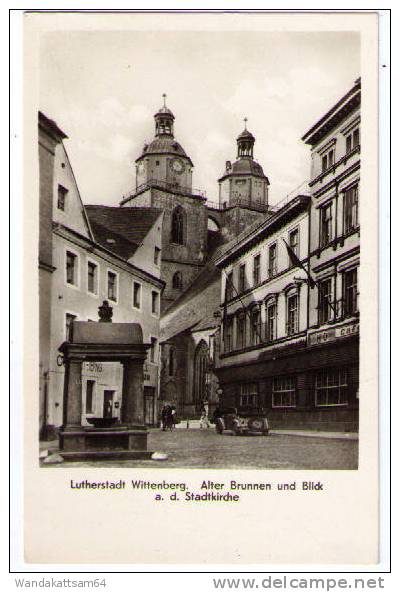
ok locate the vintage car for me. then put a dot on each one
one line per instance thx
(249, 422)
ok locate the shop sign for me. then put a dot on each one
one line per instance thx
(333, 333)
(94, 367)
(347, 330)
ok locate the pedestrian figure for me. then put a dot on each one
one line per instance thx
(165, 413)
(204, 423)
(172, 417)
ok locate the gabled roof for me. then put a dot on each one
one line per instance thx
(50, 126)
(121, 230)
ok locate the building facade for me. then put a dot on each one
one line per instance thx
(96, 256)
(265, 315)
(290, 339)
(334, 322)
(49, 135)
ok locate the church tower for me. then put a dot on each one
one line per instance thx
(164, 181)
(244, 183)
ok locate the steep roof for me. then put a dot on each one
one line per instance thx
(195, 309)
(121, 230)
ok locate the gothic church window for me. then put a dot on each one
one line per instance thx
(178, 226)
(201, 374)
(177, 280)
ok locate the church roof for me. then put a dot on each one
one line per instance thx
(164, 111)
(246, 135)
(163, 145)
(245, 166)
(121, 230)
(194, 310)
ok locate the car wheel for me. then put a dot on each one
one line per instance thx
(256, 424)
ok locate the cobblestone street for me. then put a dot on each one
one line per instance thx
(206, 449)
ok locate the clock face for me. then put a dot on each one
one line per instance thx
(177, 166)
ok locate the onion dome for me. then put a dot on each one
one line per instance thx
(164, 144)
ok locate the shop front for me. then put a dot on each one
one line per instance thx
(310, 385)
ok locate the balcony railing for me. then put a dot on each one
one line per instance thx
(164, 185)
(256, 204)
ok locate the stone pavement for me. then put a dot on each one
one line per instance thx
(195, 448)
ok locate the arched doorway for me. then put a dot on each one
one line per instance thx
(201, 374)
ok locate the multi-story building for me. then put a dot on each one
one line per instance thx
(98, 253)
(290, 340)
(333, 335)
(265, 309)
(50, 136)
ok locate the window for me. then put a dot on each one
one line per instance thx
(89, 395)
(228, 334)
(351, 209)
(92, 277)
(171, 362)
(71, 269)
(256, 270)
(350, 293)
(68, 325)
(325, 300)
(112, 286)
(328, 159)
(136, 295)
(177, 281)
(157, 252)
(153, 348)
(229, 289)
(270, 329)
(178, 226)
(242, 278)
(248, 394)
(292, 314)
(352, 140)
(255, 326)
(272, 260)
(154, 303)
(326, 225)
(331, 388)
(294, 244)
(62, 198)
(241, 331)
(284, 391)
